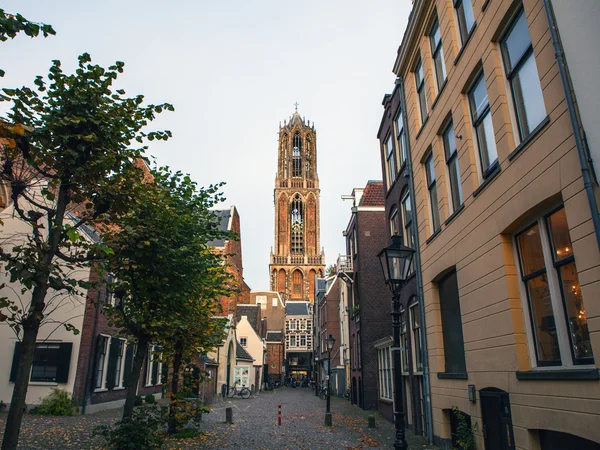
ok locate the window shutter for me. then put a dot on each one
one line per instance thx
(15, 362)
(64, 362)
(128, 364)
(113, 356)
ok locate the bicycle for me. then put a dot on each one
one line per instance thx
(244, 392)
(324, 392)
(346, 395)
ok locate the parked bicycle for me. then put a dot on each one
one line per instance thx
(346, 395)
(244, 392)
(324, 391)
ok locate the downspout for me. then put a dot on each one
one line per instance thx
(414, 231)
(569, 97)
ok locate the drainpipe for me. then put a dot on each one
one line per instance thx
(415, 233)
(577, 127)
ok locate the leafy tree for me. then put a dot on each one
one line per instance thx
(167, 279)
(74, 166)
(331, 270)
(12, 24)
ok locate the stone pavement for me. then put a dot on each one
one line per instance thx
(255, 424)
(254, 427)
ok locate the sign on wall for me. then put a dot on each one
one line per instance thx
(241, 376)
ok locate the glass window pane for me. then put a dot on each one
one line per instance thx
(440, 69)
(434, 209)
(528, 96)
(399, 122)
(576, 315)
(479, 98)
(419, 74)
(449, 141)
(467, 7)
(455, 186)
(435, 35)
(542, 317)
(422, 103)
(430, 170)
(559, 233)
(517, 42)
(487, 142)
(530, 250)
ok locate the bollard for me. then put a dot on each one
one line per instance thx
(279, 415)
(371, 421)
(229, 415)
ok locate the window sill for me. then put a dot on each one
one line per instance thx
(561, 374)
(422, 126)
(387, 401)
(120, 388)
(100, 390)
(452, 376)
(433, 236)
(454, 214)
(462, 49)
(529, 138)
(485, 5)
(43, 383)
(490, 175)
(439, 94)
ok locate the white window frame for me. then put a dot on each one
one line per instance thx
(302, 324)
(556, 300)
(292, 324)
(244, 341)
(385, 371)
(400, 138)
(119, 379)
(102, 387)
(293, 341)
(302, 338)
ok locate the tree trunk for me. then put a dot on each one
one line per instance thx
(136, 370)
(178, 357)
(31, 326)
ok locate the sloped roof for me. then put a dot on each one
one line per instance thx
(296, 308)
(223, 215)
(274, 336)
(251, 312)
(373, 194)
(210, 361)
(241, 353)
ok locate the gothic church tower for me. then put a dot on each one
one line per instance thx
(297, 256)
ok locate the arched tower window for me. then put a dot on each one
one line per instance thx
(284, 156)
(297, 280)
(297, 225)
(297, 156)
(281, 282)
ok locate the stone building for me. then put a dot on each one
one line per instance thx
(297, 258)
(298, 339)
(507, 223)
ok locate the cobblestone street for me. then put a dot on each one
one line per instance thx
(254, 427)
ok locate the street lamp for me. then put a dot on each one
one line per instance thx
(330, 344)
(395, 261)
(315, 381)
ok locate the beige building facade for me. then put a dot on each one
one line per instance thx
(509, 255)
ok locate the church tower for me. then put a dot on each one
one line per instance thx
(297, 257)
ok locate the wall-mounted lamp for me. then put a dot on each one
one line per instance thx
(472, 394)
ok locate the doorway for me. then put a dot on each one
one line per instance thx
(496, 418)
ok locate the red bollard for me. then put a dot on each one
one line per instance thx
(279, 415)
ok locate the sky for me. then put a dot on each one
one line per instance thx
(233, 70)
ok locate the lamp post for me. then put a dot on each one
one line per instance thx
(395, 261)
(330, 344)
(316, 383)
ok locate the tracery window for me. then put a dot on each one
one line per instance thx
(297, 156)
(297, 225)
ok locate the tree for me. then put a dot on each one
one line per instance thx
(78, 160)
(12, 24)
(331, 270)
(167, 279)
